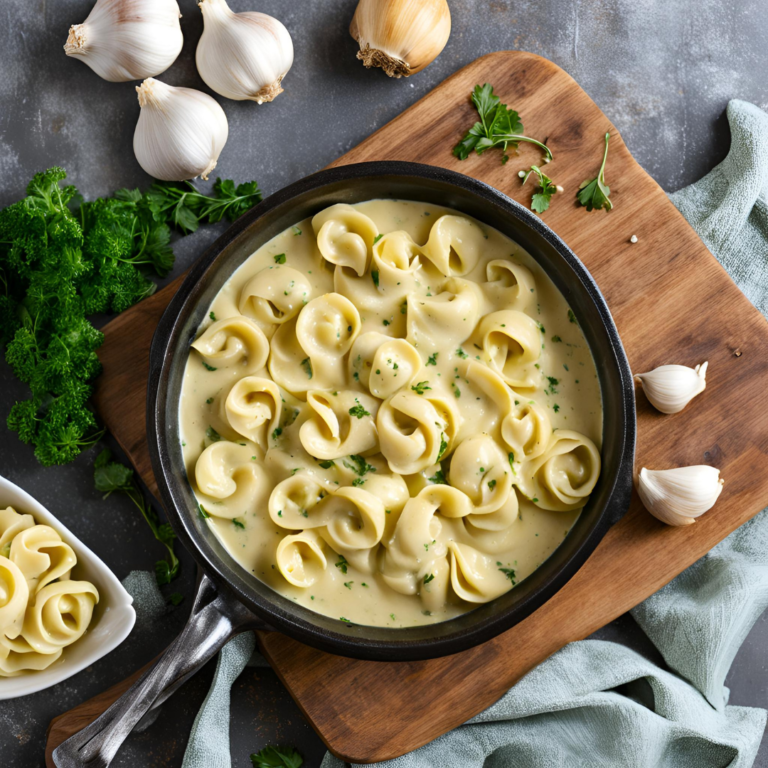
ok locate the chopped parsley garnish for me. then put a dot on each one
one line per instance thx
(556, 408)
(358, 411)
(456, 390)
(276, 432)
(593, 193)
(280, 258)
(556, 339)
(208, 367)
(348, 584)
(377, 238)
(327, 464)
(443, 446)
(491, 484)
(461, 353)
(361, 466)
(357, 482)
(209, 401)
(375, 277)
(238, 523)
(346, 621)
(212, 316)
(385, 323)
(342, 564)
(203, 512)
(296, 231)
(429, 577)
(438, 478)
(432, 360)
(498, 127)
(509, 573)
(572, 317)
(553, 382)
(306, 364)
(421, 387)
(212, 435)
(404, 307)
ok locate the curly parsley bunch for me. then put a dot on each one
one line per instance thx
(62, 259)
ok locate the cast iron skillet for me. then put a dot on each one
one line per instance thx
(229, 600)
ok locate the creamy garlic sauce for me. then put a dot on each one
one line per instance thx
(355, 589)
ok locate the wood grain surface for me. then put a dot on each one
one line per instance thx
(672, 303)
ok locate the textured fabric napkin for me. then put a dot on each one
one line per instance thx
(598, 703)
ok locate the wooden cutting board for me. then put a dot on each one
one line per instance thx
(673, 303)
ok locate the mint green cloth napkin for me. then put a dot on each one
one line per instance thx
(598, 703)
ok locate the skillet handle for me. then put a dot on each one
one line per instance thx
(216, 617)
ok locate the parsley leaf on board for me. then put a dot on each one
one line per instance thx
(499, 126)
(63, 259)
(593, 193)
(277, 757)
(541, 198)
(113, 477)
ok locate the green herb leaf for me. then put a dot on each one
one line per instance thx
(438, 478)
(238, 523)
(593, 193)
(212, 435)
(113, 477)
(499, 126)
(342, 564)
(546, 189)
(429, 577)
(280, 258)
(509, 573)
(375, 277)
(277, 757)
(359, 465)
(432, 360)
(421, 387)
(358, 411)
(306, 364)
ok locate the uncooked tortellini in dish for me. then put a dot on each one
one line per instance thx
(42, 610)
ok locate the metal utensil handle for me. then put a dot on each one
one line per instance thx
(215, 618)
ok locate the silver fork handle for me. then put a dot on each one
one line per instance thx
(216, 617)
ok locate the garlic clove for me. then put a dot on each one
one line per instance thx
(670, 388)
(128, 39)
(242, 55)
(180, 132)
(679, 496)
(400, 36)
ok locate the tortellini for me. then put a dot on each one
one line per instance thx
(512, 340)
(41, 610)
(231, 479)
(377, 409)
(275, 295)
(345, 236)
(565, 474)
(235, 342)
(341, 424)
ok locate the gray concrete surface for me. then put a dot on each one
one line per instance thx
(662, 70)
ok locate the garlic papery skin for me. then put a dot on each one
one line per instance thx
(679, 496)
(180, 132)
(242, 55)
(128, 39)
(670, 388)
(400, 36)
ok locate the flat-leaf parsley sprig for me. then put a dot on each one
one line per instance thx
(113, 477)
(499, 126)
(593, 193)
(546, 188)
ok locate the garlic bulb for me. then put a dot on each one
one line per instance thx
(128, 39)
(180, 132)
(670, 388)
(678, 496)
(242, 55)
(400, 36)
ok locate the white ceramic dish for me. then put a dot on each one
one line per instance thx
(113, 617)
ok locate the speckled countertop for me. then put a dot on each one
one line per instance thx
(662, 70)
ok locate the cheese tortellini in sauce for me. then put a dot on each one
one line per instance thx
(390, 415)
(42, 610)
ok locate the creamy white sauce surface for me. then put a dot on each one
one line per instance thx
(390, 414)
